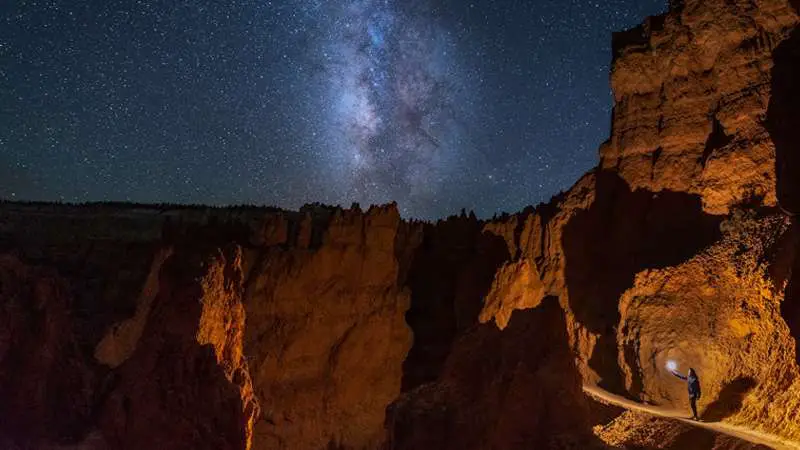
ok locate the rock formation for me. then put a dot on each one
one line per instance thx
(692, 89)
(192, 344)
(326, 336)
(134, 326)
(510, 389)
(238, 329)
(678, 244)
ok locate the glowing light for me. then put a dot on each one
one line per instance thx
(672, 365)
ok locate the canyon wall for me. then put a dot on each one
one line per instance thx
(515, 388)
(264, 329)
(125, 326)
(693, 91)
(326, 335)
(132, 326)
(682, 244)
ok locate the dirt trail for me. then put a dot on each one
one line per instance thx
(739, 432)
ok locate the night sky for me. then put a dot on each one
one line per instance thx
(437, 104)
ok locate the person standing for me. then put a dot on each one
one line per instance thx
(694, 389)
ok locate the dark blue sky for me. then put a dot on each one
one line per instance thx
(440, 105)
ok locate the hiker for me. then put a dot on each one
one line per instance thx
(694, 389)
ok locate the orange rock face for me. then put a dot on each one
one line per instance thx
(187, 378)
(649, 255)
(326, 335)
(720, 313)
(243, 329)
(692, 89)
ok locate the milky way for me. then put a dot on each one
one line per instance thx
(391, 83)
(488, 105)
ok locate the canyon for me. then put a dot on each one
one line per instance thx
(132, 326)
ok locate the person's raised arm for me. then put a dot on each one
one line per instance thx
(675, 372)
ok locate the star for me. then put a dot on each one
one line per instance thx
(299, 101)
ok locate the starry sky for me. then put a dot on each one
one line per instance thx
(488, 105)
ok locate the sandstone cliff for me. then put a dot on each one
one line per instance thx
(149, 309)
(326, 336)
(693, 94)
(680, 245)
